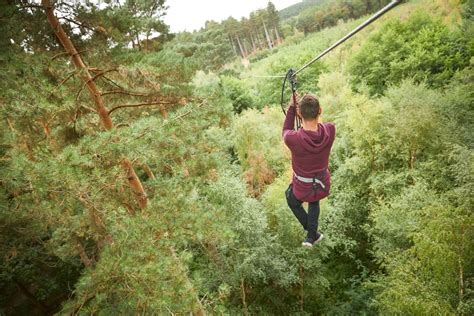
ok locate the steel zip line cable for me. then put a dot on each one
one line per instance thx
(276, 76)
(374, 17)
(355, 31)
(291, 74)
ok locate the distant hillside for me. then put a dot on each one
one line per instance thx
(296, 9)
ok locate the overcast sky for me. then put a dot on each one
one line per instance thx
(191, 15)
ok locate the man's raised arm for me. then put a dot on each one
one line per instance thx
(289, 124)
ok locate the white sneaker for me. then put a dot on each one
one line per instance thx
(309, 242)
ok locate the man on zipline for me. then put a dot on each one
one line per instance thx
(310, 147)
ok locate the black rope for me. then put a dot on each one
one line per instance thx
(282, 94)
(290, 76)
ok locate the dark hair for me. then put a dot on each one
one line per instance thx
(309, 107)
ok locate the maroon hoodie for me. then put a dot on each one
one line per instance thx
(309, 156)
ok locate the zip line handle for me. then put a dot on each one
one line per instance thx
(292, 79)
(291, 76)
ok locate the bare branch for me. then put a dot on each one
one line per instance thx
(64, 81)
(31, 6)
(136, 94)
(59, 55)
(113, 82)
(77, 23)
(93, 79)
(80, 91)
(174, 119)
(88, 108)
(76, 115)
(185, 113)
(102, 73)
(64, 53)
(138, 105)
(87, 298)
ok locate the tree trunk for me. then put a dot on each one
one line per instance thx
(77, 60)
(135, 184)
(461, 268)
(233, 46)
(241, 48)
(105, 119)
(242, 296)
(277, 36)
(47, 133)
(269, 41)
(368, 6)
(257, 40)
(82, 253)
(261, 41)
(148, 171)
(138, 41)
(254, 47)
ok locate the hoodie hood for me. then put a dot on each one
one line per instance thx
(315, 142)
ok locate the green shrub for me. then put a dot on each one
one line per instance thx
(237, 93)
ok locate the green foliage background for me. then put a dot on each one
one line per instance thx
(218, 235)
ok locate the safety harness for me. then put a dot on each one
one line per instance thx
(317, 183)
(313, 180)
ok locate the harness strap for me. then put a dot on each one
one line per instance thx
(315, 181)
(310, 180)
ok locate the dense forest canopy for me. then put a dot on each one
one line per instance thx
(144, 172)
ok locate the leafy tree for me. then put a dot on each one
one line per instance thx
(274, 21)
(133, 21)
(421, 48)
